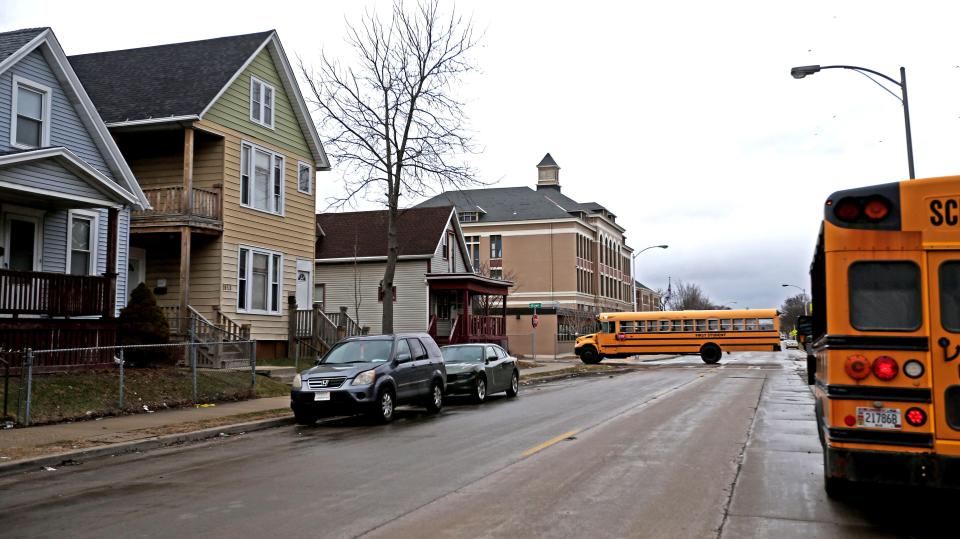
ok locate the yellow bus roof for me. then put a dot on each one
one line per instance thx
(683, 315)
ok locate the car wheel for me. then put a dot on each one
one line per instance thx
(382, 411)
(589, 355)
(304, 417)
(479, 389)
(435, 399)
(710, 353)
(514, 385)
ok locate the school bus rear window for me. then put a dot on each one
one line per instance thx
(950, 296)
(885, 296)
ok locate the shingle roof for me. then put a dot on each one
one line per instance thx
(419, 231)
(178, 79)
(512, 203)
(11, 42)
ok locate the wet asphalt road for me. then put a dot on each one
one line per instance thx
(675, 449)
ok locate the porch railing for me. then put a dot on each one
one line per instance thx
(54, 294)
(168, 201)
(480, 327)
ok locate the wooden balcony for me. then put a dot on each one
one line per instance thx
(55, 295)
(202, 210)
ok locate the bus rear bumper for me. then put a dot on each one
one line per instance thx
(919, 469)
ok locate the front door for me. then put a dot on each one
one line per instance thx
(944, 278)
(304, 284)
(136, 269)
(21, 242)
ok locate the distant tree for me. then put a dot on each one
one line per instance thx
(491, 304)
(389, 116)
(792, 308)
(142, 322)
(689, 296)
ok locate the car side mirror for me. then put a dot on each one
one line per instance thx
(403, 357)
(805, 325)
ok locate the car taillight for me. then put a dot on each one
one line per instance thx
(847, 209)
(876, 208)
(857, 367)
(916, 417)
(885, 368)
(850, 420)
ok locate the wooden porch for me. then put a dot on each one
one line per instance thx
(174, 207)
(36, 310)
(478, 316)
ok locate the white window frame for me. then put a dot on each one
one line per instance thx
(253, 148)
(47, 92)
(94, 218)
(248, 280)
(263, 105)
(300, 166)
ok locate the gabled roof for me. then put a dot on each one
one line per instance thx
(363, 234)
(163, 81)
(45, 40)
(181, 81)
(113, 193)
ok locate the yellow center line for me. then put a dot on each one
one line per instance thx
(549, 442)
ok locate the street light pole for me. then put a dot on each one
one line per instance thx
(633, 270)
(804, 290)
(802, 71)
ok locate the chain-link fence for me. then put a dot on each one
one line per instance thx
(41, 386)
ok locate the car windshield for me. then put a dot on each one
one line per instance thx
(366, 351)
(459, 354)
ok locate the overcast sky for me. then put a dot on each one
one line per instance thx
(680, 117)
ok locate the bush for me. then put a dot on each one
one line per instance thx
(142, 322)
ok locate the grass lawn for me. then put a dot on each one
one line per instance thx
(58, 397)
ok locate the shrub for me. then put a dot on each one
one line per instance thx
(142, 322)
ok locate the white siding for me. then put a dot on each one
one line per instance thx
(410, 310)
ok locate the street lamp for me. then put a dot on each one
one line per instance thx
(802, 71)
(804, 290)
(633, 267)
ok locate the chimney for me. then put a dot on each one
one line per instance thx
(548, 174)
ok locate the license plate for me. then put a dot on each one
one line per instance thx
(879, 418)
(325, 396)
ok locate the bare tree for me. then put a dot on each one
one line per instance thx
(389, 116)
(792, 308)
(491, 304)
(689, 296)
(357, 288)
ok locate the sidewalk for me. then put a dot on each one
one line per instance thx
(126, 431)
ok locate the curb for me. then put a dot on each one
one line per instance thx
(620, 369)
(71, 458)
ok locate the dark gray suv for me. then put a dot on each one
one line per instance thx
(371, 375)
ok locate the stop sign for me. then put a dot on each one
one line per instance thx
(535, 321)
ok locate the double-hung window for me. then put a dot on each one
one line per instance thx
(496, 246)
(259, 278)
(261, 102)
(30, 126)
(82, 235)
(261, 179)
(304, 178)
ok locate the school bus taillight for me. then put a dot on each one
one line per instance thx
(847, 210)
(916, 417)
(857, 367)
(876, 208)
(885, 368)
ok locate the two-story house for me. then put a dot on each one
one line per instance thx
(435, 288)
(66, 194)
(568, 260)
(223, 145)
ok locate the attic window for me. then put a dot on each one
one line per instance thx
(31, 122)
(469, 217)
(261, 102)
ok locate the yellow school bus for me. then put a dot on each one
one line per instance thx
(708, 333)
(885, 334)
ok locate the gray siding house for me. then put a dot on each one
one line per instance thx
(65, 199)
(435, 288)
